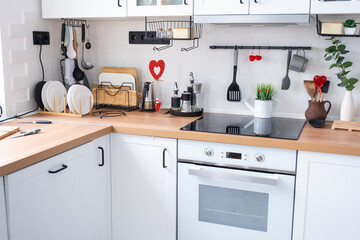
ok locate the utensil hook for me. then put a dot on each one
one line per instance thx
(195, 45)
(164, 47)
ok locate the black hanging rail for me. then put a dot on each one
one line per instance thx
(262, 47)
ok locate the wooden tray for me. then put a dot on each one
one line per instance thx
(347, 125)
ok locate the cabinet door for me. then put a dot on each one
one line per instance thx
(3, 224)
(279, 6)
(327, 197)
(143, 191)
(160, 8)
(67, 204)
(335, 6)
(215, 7)
(83, 8)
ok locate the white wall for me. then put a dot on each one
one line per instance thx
(214, 67)
(20, 57)
(2, 92)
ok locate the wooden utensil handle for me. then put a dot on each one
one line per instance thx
(75, 43)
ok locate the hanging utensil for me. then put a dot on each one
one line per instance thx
(70, 50)
(63, 48)
(85, 65)
(77, 73)
(233, 92)
(88, 44)
(285, 84)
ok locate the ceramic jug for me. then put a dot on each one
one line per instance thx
(316, 110)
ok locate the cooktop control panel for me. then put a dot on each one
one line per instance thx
(237, 156)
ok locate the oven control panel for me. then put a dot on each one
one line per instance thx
(232, 155)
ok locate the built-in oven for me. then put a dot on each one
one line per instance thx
(233, 192)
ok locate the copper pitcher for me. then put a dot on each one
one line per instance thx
(316, 110)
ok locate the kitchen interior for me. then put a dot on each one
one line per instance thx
(179, 119)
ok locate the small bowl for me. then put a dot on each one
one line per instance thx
(317, 123)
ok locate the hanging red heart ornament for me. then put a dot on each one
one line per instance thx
(157, 66)
(319, 81)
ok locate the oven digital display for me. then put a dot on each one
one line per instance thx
(233, 155)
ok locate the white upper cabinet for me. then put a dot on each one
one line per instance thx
(279, 6)
(3, 224)
(327, 197)
(335, 6)
(216, 7)
(160, 8)
(83, 8)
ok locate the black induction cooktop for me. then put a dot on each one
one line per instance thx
(283, 128)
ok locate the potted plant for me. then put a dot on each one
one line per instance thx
(350, 27)
(264, 101)
(336, 53)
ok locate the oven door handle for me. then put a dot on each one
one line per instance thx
(268, 180)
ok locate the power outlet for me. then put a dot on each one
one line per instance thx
(41, 38)
(137, 37)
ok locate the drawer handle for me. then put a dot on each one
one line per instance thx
(63, 167)
(241, 2)
(255, 1)
(185, 3)
(164, 164)
(102, 157)
(119, 4)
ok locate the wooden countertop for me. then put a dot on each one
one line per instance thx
(53, 139)
(59, 136)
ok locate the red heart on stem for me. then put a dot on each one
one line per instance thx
(156, 64)
(258, 57)
(319, 80)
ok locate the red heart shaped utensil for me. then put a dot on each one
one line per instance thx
(319, 80)
(156, 64)
(252, 58)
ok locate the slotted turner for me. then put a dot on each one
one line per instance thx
(233, 92)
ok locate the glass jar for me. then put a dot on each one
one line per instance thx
(186, 102)
(169, 33)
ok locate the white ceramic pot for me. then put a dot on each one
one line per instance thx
(264, 108)
(349, 31)
(347, 107)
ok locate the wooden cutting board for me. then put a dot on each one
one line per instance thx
(6, 131)
(348, 125)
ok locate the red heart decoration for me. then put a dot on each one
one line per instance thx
(252, 58)
(319, 80)
(258, 57)
(156, 64)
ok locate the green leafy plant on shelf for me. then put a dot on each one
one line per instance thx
(336, 53)
(350, 23)
(264, 91)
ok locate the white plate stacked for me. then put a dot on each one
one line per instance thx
(52, 95)
(80, 99)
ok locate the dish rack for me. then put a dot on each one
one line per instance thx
(165, 29)
(66, 111)
(124, 96)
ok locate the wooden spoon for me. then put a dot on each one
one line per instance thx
(77, 73)
(310, 88)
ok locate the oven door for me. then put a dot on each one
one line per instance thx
(228, 204)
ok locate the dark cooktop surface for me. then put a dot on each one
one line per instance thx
(283, 128)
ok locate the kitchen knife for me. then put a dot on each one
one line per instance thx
(35, 131)
(39, 122)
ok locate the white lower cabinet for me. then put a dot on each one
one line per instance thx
(143, 171)
(3, 224)
(327, 197)
(64, 197)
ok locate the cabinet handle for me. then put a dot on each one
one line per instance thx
(164, 151)
(185, 2)
(63, 167)
(255, 1)
(102, 157)
(119, 4)
(241, 2)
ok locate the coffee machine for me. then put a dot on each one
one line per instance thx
(148, 103)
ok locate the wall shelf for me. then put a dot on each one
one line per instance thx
(262, 47)
(318, 30)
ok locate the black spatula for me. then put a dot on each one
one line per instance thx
(233, 92)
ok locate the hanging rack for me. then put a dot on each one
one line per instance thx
(262, 47)
(75, 22)
(193, 46)
(164, 47)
